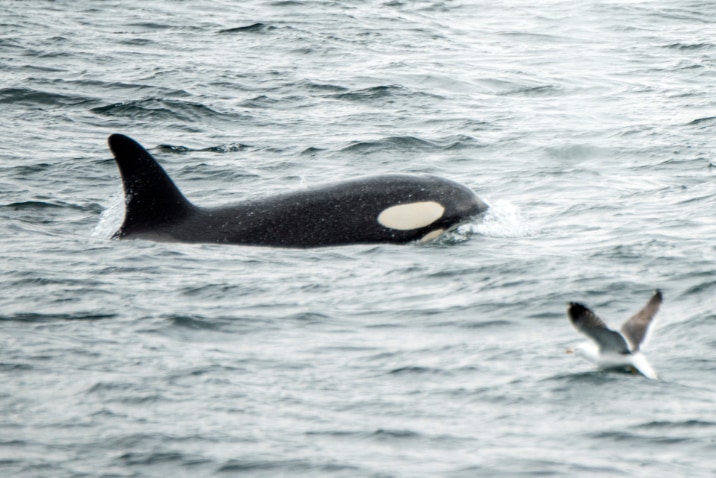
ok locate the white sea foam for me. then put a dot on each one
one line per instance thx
(502, 219)
(111, 217)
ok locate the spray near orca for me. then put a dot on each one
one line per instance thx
(393, 208)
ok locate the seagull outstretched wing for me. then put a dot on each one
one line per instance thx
(636, 328)
(593, 327)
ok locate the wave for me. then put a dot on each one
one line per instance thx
(676, 424)
(40, 317)
(381, 92)
(289, 467)
(253, 28)
(690, 46)
(402, 143)
(623, 436)
(221, 148)
(412, 143)
(540, 90)
(699, 121)
(29, 96)
(162, 109)
(38, 206)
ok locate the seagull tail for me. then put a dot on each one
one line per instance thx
(644, 367)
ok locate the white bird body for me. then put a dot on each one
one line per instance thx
(610, 349)
(635, 362)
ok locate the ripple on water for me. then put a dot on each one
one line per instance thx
(587, 126)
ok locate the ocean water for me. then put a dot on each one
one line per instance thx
(589, 127)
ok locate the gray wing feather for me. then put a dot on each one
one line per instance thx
(636, 327)
(593, 327)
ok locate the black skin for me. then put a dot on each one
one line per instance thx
(336, 214)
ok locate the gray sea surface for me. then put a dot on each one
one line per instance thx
(588, 126)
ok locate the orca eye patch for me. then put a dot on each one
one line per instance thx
(414, 215)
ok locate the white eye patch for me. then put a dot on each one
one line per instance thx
(414, 215)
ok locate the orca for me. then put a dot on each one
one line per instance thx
(392, 208)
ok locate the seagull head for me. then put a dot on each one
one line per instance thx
(585, 350)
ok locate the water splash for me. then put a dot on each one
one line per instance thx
(112, 217)
(503, 219)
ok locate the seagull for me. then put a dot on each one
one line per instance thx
(612, 349)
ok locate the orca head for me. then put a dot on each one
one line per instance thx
(436, 207)
(461, 204)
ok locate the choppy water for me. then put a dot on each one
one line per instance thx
(588, 126)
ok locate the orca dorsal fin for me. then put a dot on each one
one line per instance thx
(150, 196)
